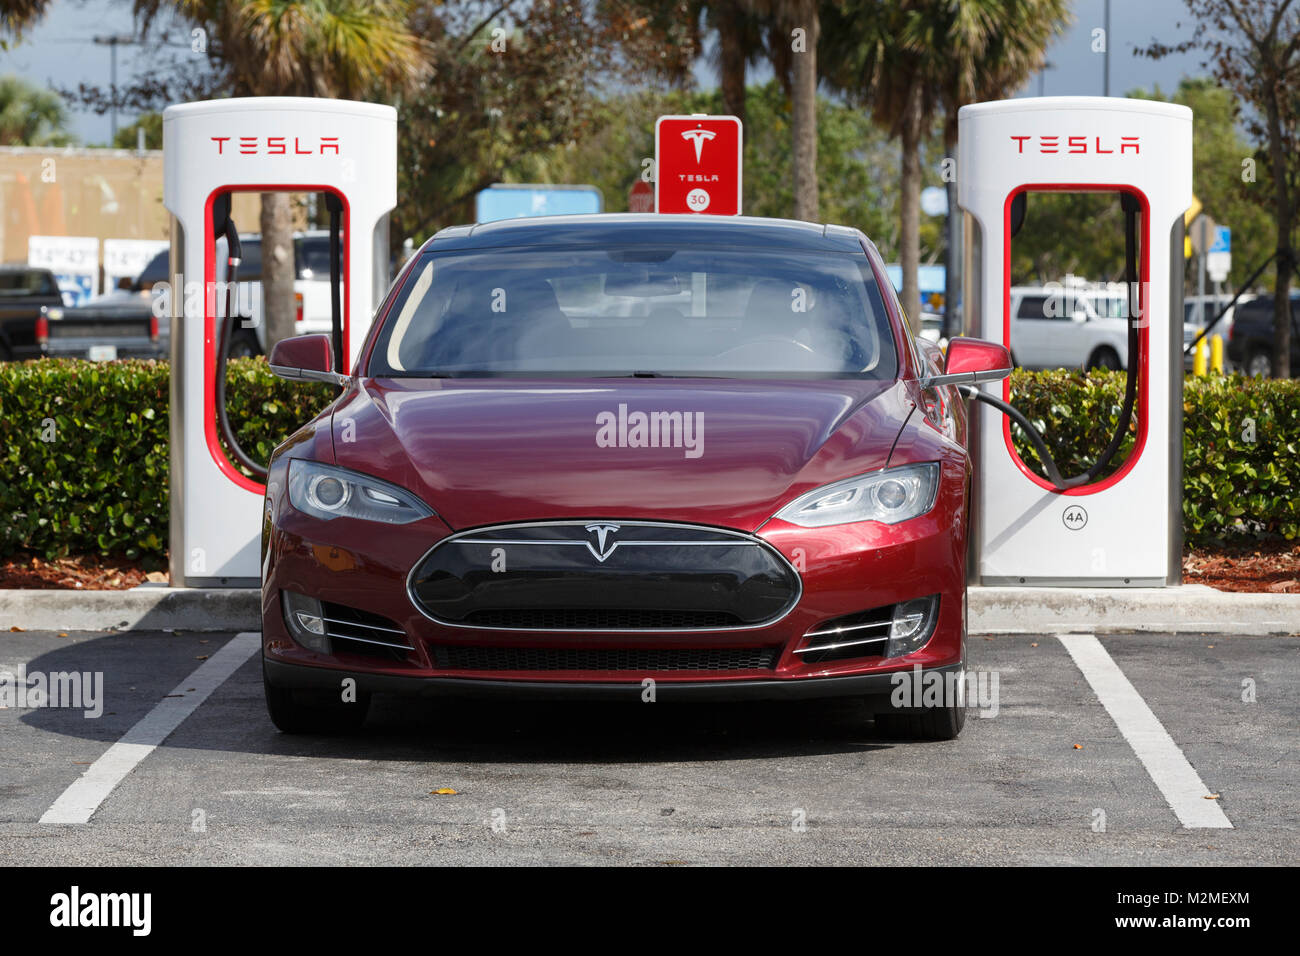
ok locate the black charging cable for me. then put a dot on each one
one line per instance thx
(233, 257)
(335, 207)
(1134, 298)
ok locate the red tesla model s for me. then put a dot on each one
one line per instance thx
(626, 456)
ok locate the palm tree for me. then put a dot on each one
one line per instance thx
(30, 116)
(17, 15)
(328, 48)
(991, 48)
(794, 59)
(908, 60)
(740, 44)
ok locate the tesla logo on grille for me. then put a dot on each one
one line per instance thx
(603, 547)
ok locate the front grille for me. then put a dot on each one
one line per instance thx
(599, 619)
(354, 631)
(479, 658)
(604, 575)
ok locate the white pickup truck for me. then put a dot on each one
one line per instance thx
(311, 289)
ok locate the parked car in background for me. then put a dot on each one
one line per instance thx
(1070, 327)
(1250, 340)
(27, 296)
(120, 324)
(1198, 310)
(311, 289)
(1083, 326)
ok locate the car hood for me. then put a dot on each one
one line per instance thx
(489, 451)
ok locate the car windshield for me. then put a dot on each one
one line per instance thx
(26, 282)
(638, 309)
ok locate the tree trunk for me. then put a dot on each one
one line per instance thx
(909, 199)
(278, 308)
(732, 58)
(1282, 303)
(804, 115)
(1284, 213)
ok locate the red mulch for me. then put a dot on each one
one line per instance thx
(1269, 566)
(91, 572)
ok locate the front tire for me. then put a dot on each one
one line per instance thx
(295, 711)
(1259, 364)
(244, 345)
(935, 723)
(1105, 358)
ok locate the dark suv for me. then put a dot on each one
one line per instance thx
(1250, 340)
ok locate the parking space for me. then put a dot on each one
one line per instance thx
(1046, 777)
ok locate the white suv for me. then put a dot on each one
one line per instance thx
(1070, 327)
(311, 289)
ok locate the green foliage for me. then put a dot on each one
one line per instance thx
(128, 136)
(84, 460)
(1241, 444)
(31, 116)
(1076, 413)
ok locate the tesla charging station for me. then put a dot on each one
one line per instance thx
(346, 150)
(1124, 529)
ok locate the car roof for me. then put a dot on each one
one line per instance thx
(601, 228)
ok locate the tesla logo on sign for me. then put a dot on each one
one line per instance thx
(699, 137)
(603, 547)
(698, 164)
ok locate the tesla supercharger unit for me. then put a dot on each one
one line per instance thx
(1124, 529)
(273, 144)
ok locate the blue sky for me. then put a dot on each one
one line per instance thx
(61, 52)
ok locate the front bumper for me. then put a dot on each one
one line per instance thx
(875, 685)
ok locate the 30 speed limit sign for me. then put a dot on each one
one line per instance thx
(698, 164)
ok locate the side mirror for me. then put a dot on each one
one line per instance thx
(970, 361)
(306, 358)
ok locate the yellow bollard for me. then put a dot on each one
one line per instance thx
(1216, 353)
(1199, 358)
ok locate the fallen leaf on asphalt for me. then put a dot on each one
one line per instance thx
(201, 657)
(443, 792)
(63, 633)
(1078, 746)
(15, 628)
(1034, 644)
(1211, 796)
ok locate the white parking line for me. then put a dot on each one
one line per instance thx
(79, 802)
(1169, 769)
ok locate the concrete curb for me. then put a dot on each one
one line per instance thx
(148, 608)
(1192, 608)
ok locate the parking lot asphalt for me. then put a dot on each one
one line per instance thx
(1050, 778)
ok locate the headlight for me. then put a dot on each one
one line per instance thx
(326, 492)
(890, 495)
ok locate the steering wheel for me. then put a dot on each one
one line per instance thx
(768, 339)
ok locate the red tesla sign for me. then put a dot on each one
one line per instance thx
(698, 164)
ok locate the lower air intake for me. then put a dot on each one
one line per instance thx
(481, 658)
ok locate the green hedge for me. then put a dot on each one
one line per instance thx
(85, 449)
(1240, 442)
(84, 446)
